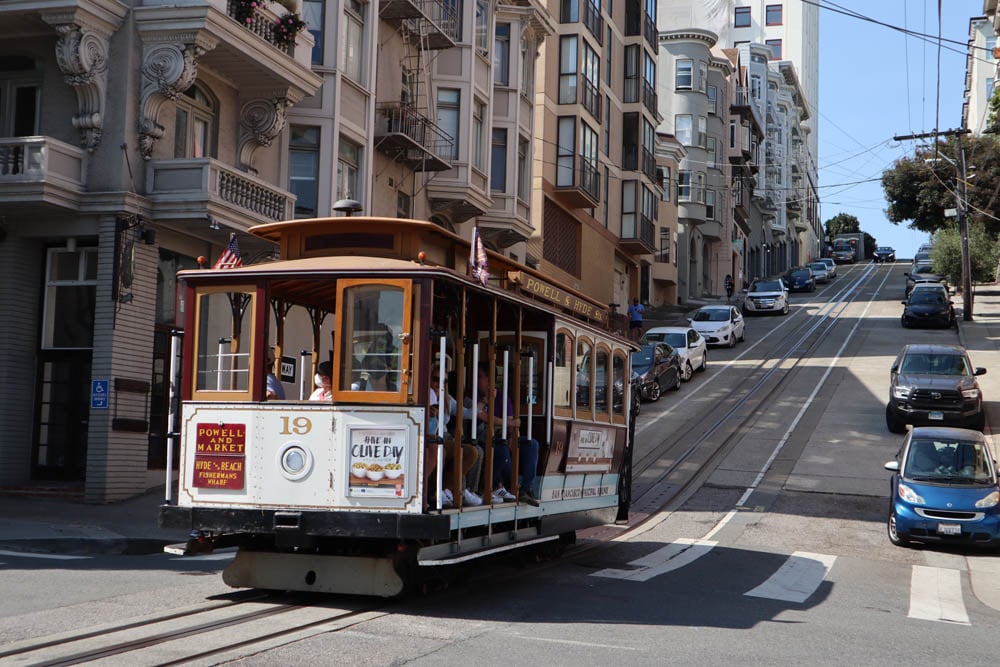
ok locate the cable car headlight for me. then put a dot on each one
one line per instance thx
(295, 461)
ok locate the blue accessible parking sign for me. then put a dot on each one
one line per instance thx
(99, 394)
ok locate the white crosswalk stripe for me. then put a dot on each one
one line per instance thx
(797, 579)
(936, 595)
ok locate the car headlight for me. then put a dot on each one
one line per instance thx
(990, 500)
(909, 495)
(970, 393)
(901, 391)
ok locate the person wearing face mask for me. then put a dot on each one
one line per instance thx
(324, 382)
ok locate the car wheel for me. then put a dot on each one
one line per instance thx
(784, 309)
(704, 363)
(904, 322)
(654, 391)
(677, 384)
(894, 423)
(732, 339)
(743, 334)
(894, 535)
(686, 372)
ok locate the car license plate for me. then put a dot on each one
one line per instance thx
(949, 529)
(936, 416)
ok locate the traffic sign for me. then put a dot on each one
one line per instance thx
(99, 390)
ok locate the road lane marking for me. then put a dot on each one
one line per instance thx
(797, 579)
(570, 642)
(672, 557)
(936, 595)
(28, 554)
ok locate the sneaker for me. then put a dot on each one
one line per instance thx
(447, 499)
(471, 499)
(528, 497)
(502, 495)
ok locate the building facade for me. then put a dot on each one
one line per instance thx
(980, 74)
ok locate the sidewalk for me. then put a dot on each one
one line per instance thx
(69, 526)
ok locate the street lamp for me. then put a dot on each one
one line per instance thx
(961, 212)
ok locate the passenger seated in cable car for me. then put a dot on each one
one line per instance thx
(471, 456)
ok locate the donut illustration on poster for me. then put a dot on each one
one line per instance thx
(377, 461)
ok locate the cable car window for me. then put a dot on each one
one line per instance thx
(225, 339)
(563, 372)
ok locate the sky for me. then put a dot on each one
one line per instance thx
(876, 83)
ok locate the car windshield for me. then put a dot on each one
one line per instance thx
(799, 273)
(818, 266)
(922, 257)
(924, 269)
(947, 460)
(885, 249)
(765, 286)
(711, 315)
(934, 363)
(676, 339)
(926, 297)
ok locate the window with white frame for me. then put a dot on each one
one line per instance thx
(195, 127)
(566, 151)
(448, 108)
(649, 204)
(683, 128)
(498, 160)
(630, 198)
(713, 99)
(702, 131)
(665, 182)
(702, 75)
(568, 62)
(712, 153)
(699, 187)
(303, 169)
(70, 299)
(588, 144)
(348, 169)
(732, 134)
(501, 55)
(710, 204)
(478, 140)
(683, 185)
(355, 15)
(663, 255)
(755, 88)
(523, 170)
(313, 15)
(683, 71)
(482, 26)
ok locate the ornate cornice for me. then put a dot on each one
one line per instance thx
(261, 120)
(168, 69)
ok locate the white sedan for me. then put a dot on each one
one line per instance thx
(690, 345)
(720, 325)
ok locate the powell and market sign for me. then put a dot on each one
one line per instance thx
(556, 296)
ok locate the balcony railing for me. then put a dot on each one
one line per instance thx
(650, 33)
(742, 98)
(645, 234)
(434, 21)
(578, 174)
(177, 184)
(631, 92)
(591, 98)
(260, 21)
(649, 164)
(592, 19)
(24, 159)
(649, 97)
(411, 137)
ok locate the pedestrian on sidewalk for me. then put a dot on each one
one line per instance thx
(635, 312)
(729, 288)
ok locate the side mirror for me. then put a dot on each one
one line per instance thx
(894, 368)
(690, 320)
(907, 275)
(892, 466)
(904, 302)
(980, 371)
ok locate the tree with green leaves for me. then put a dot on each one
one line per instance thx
(946, 256)
(921, 188)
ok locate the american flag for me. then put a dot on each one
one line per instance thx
(230, 257)
(478, 264)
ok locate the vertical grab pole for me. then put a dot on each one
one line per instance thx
(503, 400)
(218, 372)
(440, 430)
(548, 404)
(475, 391)
(531, 391)
(175, 353)
(302, 373)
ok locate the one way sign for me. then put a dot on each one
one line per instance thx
(99, 394)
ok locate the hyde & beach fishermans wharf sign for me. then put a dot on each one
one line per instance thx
(220, 456)
(545, 291)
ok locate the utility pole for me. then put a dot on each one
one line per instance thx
(961, 210)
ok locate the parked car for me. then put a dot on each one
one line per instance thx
(618, 393)
(934, 384)
(656, 366)
(800, 279)
(944, 489)
(922, 257)
(766, 296)
(831, 266)
(690, 345)
(922, 273)
(820, 272)
(720, 325)
(930, 305)
(884, 253)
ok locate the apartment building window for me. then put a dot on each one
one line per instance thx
(665, 182)
(482, 27)
(772, 14)
(648, 204)
(732, 134)
(588, 145)
(566, 151)
(683, 185)
(710, 204)
(702, 131)
(775, 45)
(451, 11)
(631, 92)
(449, 103)
(664, 255)
(629, 208)
(501, 55)
(607, 125)
(608, 50)
(404, 205)
(527, 68)
(478, 138)
(683, 128)
(742, 17)
(348, 169)
(702, 75)
(755, 88)
(195, 126)
(312, 14)
(20, 89)
(498, 161)
(569, 11)
(712, 92)
(355, 14)
(523, 170)
(682, 74)
(698, 192)
(592, 81)
(607, 188)
(303, 169)
(711, 150)
(70, 297)
(567, 69)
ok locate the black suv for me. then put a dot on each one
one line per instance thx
(884, 254)
(934, 385)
